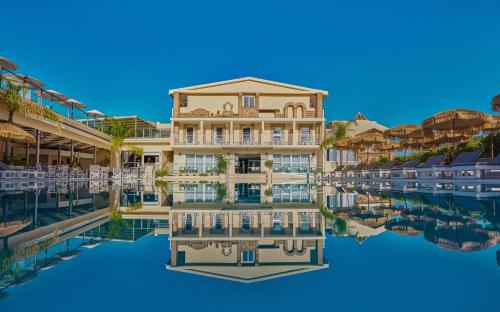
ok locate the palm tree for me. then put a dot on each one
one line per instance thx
(14, 103)
(338, 132)
(119, 131)
(13, 99)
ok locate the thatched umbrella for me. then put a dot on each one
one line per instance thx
(448, 137)
(455, 119)
(9, 131)
(400, 132)
(390, 146)
(495, 103)
(491, 126)
(369, 138)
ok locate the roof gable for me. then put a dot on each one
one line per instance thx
(248, 85)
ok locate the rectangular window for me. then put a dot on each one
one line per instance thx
(312, 103)
(291, 163)
(200, 163)
(248, 101)
(183, 100)
(248, 256)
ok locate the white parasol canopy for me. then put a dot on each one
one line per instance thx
(7, 64)
(25, 80)
(95, 113)
(52, 95)
(74, 103)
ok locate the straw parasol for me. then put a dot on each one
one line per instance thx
(495, 103)
(369, 138)
(9, 131)
(455, 119)
(390, 146)
(448, 137)
(401, 131)
(491, 125)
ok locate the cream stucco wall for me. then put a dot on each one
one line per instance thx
(279, 102)
(212, 103)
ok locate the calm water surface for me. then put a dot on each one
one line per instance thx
(217, 247)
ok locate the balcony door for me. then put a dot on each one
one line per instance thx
(277, 133)
(219, 135)
(246, 135)
(190, 135)
(305, 135)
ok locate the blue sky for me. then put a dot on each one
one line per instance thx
(395, 61)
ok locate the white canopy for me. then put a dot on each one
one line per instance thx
(7, 64)
(52, 95)
(95, 113)
(24, 80)
(74, 103)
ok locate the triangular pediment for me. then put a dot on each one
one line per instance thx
(248, 85)
(248, 274)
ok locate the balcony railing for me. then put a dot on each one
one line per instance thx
(32, 94)
(150, 133)
(247, 140)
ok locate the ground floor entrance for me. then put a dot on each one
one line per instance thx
(247, 164)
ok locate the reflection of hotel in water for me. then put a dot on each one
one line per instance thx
(249, 237)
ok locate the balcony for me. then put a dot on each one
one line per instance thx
(254, 139)
(149, 133)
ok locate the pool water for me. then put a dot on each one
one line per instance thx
(193, 247)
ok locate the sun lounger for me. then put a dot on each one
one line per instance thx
(408, 170)
(432, 168)
(465, 167)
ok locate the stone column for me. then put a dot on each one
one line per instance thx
(59, 155)
(201, 139)
(231, 132)
(238, 253)
(319, 251)
(172, 133)
(173, 253)
(72, 150)
(95, 155)
(294, 133)
(37, 147)
(319, 105)
(262, 132)
(28, 154)
(177, 108)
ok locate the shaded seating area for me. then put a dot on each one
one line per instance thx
(429, 168)
(407, 170)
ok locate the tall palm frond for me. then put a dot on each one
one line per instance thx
(338, 132)
(12, 98)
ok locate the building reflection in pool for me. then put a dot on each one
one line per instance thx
(243, 233)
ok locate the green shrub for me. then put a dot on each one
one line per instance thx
(221, 164)
(14, 161)
(268, 192)
(161, 173)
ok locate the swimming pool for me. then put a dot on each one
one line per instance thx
(192, 246)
